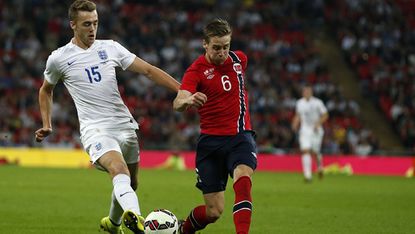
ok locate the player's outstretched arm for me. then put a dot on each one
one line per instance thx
(45, 104)
(185, 99)
(154, 73)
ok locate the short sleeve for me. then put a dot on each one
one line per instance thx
(124, 57)
(51, 73)
(190, 81)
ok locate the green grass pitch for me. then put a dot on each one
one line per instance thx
(41, 200)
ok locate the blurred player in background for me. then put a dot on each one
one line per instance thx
(214, 83)
(174, 161)
(309, 118)
(86, 66)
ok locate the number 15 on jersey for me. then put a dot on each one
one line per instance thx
(93, 74)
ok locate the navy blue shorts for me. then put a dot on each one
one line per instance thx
(218, 156)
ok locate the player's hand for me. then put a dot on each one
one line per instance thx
(197, 99)
(42, 133)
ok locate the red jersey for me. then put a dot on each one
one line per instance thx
(226, 110)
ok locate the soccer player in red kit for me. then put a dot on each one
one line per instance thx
(215, 84)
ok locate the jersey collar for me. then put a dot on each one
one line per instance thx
(73, 45)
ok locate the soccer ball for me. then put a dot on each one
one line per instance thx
(161, 221)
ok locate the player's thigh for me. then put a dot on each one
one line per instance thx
(316, 142)
(242, 159)
(131, 152)
(212, 174)
(306, 141)
(101, 145)
(129, 146)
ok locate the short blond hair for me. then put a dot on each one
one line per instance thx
(80, 5)
(216, 28)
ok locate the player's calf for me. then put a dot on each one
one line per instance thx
(197, 220)
(242, 208)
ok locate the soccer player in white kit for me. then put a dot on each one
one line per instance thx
(86, 66)
(310, 114)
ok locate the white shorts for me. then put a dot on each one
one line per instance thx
(97, 142)
(311, 140)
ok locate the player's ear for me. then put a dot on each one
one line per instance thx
(205, 44)
(72, 24)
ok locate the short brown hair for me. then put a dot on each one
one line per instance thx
(80, 5)
(216, 28)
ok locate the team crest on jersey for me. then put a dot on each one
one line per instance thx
(98, 146)
(237, 67)
(209, 73)
(102, 54)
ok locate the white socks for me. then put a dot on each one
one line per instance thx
(116, 210)
(124, 194)
(307, 170)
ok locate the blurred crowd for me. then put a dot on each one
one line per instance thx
(167, 33)
(378, 41)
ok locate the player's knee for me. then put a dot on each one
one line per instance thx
(214, 213)
(118, 168)
(241, 171)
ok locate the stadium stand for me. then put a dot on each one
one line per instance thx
(378, 38)
(273, 35)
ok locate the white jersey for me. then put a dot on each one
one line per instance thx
(89, 75)
(310, 112)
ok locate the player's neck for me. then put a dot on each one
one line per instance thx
(79, 43)
(208, 59)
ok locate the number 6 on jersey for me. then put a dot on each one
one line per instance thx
(226, 83)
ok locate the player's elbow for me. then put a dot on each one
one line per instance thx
(148, 72)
